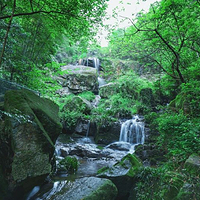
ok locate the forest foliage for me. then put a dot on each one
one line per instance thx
(35, 33)
(161, 46)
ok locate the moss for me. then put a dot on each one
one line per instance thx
(128, 166)
(102, 170)
(135, 162)
(43, 111)
(107, 191)
(70, 164)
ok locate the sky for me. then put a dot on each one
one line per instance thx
(127, 8)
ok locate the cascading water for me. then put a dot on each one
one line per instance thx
(132, 131)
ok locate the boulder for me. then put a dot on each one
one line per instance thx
(77, 79)
(31, 128)
(85, 128)
(79, 106)
(122, 174)
(107, 133)
(192, 164)
(88, 188)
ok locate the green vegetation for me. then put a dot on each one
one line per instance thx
(152, 68)
(70, 164)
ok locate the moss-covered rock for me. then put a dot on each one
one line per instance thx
(69, 164)
(122, 174)
(88, 188)
(31, 128)
(77, 79)
(75, 108)
(192, 164)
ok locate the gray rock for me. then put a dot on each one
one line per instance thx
(31, 128)
(91, 188)
(107, 133)
(122, 174)
(77, 79)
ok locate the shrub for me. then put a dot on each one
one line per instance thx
(179, 135)
(157, 183)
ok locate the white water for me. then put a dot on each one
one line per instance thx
(96, 63)
(33, 192)
(132, 131)
(101, 81)
(86, 139)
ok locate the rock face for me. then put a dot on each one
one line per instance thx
(91, 188)
(107, 133)
(77, 79)
(122, 174)
(30, 131)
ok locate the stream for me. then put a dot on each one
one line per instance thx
(91, 157)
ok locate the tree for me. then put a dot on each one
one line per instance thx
(167, 36)
(33, 30)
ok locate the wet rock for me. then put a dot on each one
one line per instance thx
(77, 79)
(192, 164)
(122, 174)
(31, 129)
(91, 188)
(81, 150)
(107, 133)
(85, 128)
(123, 146)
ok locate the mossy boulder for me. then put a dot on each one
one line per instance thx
(77, 79)
(73, 111)
(31, 128)
(122, 174)
(88, 188)
(192, 164)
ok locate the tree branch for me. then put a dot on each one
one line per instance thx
(8, 29)
(33, 13)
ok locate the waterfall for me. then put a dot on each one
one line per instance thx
(101, 81)
(88, 129)
(132, 131)
(96, 64)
